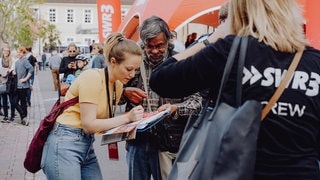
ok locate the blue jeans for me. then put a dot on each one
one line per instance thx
(143, 161)
(68, 154)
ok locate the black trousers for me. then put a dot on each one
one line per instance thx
(20, 101)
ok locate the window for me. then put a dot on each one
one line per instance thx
(87, 16)
(87, 40)
(123, 14)
(70, 16)
(52, 15)
(70, 40)
(35, 13)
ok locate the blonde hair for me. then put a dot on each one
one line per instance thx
(277, 23)
(223, 12)
(117, 45)
(99, 46)
(72, 45)
(8, 58)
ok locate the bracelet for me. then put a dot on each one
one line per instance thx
(206, 42)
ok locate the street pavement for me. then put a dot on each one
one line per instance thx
(15, 138)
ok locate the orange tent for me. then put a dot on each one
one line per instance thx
(178, 13)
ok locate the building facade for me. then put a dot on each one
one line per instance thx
(75, 20)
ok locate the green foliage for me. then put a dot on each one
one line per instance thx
(50, 37)
(20, 26)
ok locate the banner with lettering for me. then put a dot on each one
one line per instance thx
(109, 17)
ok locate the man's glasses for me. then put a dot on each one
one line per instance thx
(72, 51)
(158, 47)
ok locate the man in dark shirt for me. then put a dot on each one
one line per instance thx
(33, 61)
(147, 151)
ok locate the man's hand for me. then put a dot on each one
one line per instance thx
(135, 95)
(173, 108)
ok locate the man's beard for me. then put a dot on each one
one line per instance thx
(162, 57)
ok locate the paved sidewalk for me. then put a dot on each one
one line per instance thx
(15, 138)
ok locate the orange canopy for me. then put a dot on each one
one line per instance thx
(178, 13)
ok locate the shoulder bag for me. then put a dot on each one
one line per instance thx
(221, 143)
(33, 156)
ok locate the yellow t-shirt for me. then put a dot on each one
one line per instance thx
(90, 86)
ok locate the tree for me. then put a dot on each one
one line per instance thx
(49, 36)
(18, 25)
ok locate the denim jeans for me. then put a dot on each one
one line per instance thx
(142, 159)
(68, 154)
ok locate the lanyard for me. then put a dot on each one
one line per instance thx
(113, 104)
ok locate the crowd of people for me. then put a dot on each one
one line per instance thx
(16, 80)
(19, 66)
(158, 73)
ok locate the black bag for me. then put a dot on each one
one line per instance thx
(12, 83)
(221, 144)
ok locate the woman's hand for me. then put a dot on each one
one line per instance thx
(135, 113)
(72, 65)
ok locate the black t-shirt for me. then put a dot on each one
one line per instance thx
(288, 143)
(32, 60)
(64, 66)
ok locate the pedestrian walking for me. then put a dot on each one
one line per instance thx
(54, 64)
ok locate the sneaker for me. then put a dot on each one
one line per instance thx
(25, 121)
(11, 119)
(5, 119)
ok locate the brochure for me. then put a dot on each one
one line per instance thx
(128, 131)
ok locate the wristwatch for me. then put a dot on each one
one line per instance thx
(206, 42)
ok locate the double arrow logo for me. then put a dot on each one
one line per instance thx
(254, 75)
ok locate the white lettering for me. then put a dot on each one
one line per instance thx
(299, 81)
(313, 84)
(282, 107)
(285, 109)
(296, 110)
(107, 12)
(272, 77)
(268, 74)
(279, 76)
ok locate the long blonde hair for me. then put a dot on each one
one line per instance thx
(6, 61)
(278, 23)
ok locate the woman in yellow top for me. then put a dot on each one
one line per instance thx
(68, 152)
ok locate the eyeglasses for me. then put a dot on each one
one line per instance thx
(72, 51)
(158, 47)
